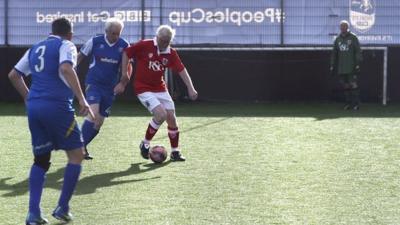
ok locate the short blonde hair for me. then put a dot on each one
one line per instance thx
(165, 31)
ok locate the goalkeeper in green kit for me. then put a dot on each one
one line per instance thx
(345, 61)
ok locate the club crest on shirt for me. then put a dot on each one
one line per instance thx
(164, 61)
(150, 55)
(101, 46)
(348, 42)
(362, 14)
(343, 46)
(120, 49)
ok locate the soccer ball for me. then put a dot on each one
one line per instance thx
(158, 154)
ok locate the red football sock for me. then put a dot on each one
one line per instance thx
(173, 135)
(151, 130)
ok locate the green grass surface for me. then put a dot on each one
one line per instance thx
(247, 164)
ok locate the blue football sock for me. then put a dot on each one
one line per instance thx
(71, 177)
(88, 131)
(37, 177)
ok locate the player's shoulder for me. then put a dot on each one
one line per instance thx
(145, 42)
(352, 35)
(67, 43)
(123, 42)
(173, 50)
(98, 38)
(67, 46)
(338, 37)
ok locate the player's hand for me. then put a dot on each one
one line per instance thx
(357, 69)
(119, 88)
(84, 109)
(331, 71)
(193, 94)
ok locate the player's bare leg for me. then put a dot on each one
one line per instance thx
(159, 116)
(91, 128)
(173, 134)
(71, 177)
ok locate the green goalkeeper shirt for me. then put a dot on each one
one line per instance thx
(346, 54)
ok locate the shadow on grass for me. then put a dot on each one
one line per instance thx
(86, 185)
(209, 123)
(317, 110)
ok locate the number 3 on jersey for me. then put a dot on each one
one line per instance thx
(41, 51)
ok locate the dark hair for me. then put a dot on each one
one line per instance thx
(61, 26)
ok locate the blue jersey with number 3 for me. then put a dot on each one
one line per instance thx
(49, 107)
(44, 61)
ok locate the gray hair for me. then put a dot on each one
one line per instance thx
(165, 31)
(112, 21)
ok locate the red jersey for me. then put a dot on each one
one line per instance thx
(151, 65)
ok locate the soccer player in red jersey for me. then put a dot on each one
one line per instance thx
(152, 57)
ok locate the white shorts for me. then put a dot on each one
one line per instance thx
(150, 100)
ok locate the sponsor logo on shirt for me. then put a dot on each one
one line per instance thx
(108, 60)
(343, 46)
(156, 66)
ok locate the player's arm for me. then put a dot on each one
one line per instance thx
(85, 50)
(126, 71)
(17, 73)
(68, 57)
(81, 57)
(334, 56)
(72, 79)
(189, 84)
(18, 82)
(357, 54)
(177, 65)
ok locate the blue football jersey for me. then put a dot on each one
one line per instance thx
(42, 62)
(105, 60)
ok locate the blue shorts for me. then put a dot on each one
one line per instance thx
(53, 126)
(102, 96)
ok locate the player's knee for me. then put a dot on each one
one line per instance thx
(160, 116)
(75, 156)
(98, 123)
(89, 118)
(43, 161)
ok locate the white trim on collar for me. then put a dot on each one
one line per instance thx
(166, 51)
(109, 44)
(56, 36)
